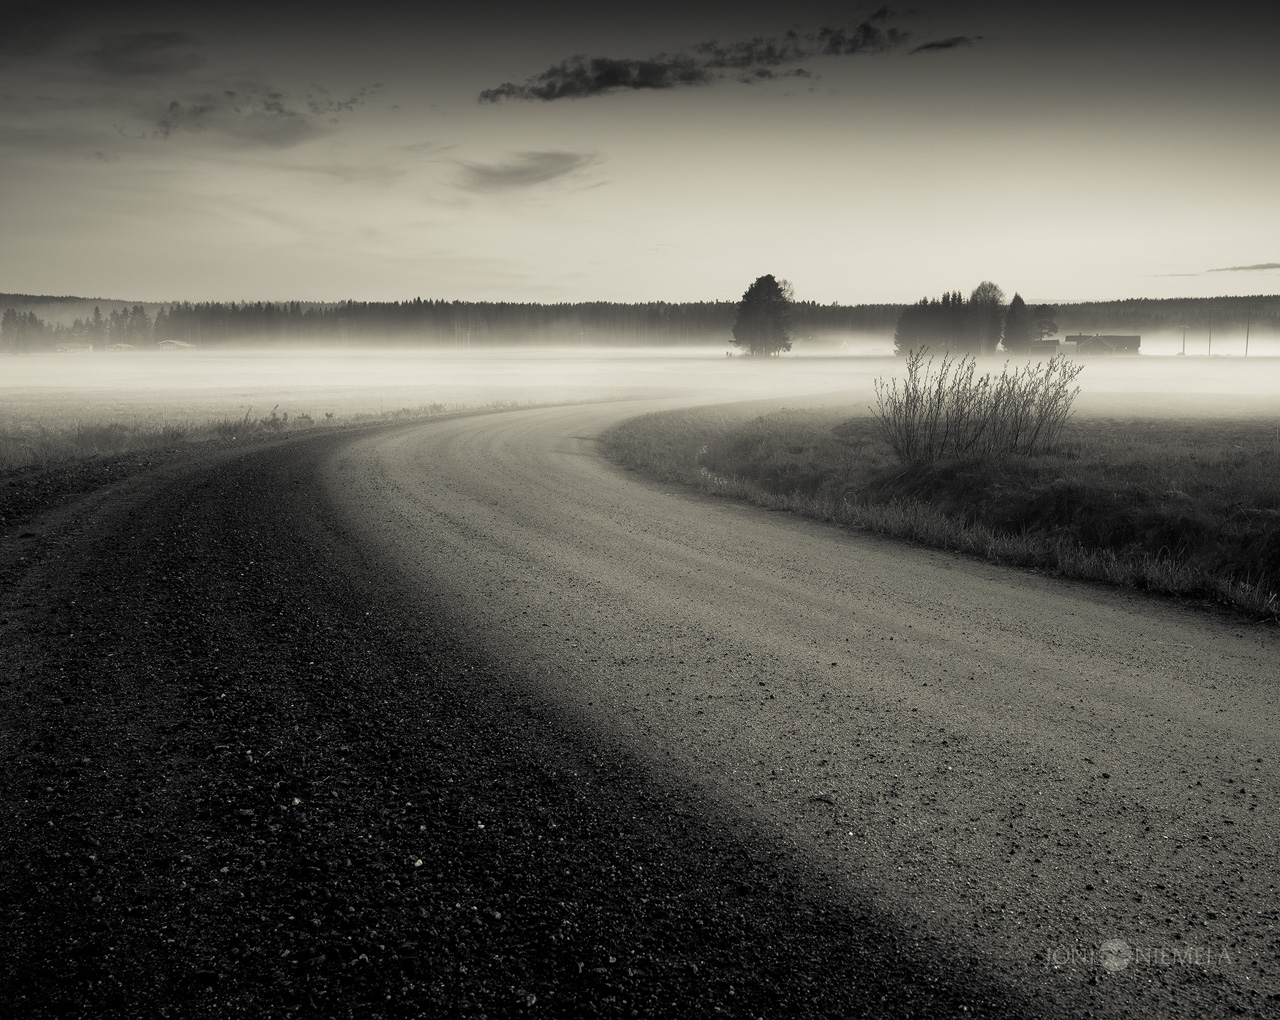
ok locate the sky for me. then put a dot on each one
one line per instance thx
(658, 151)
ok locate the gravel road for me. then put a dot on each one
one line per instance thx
(460, 720)
(247, 770)
(1069, 787)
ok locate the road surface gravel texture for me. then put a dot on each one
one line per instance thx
(459, 719)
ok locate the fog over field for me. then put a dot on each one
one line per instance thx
(58, 390)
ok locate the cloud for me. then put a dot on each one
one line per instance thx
(581, 76)
(865, 37)
(769, 74)
(28, 29)
(523, 170)
(255, 114)
(145, 55)
(751, 60)
(427, 148)
(1260, 267)
(754, 53)
(947, 44)
(320, 101)
(253, 118)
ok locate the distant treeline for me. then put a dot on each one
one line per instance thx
(419, 321)
(33, 323)
(1151, 315)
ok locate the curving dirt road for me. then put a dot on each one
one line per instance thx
(1071, 787)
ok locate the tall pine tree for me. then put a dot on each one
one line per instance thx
(764, 318)
(1017, 334)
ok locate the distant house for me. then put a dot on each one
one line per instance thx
(1044, 347)
(121, 347)
(1105, 343)
(175, 345)
(73, 348)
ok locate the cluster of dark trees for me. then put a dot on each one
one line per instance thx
(978, 324)
(26, 331)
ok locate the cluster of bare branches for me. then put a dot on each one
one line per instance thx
(951, 412)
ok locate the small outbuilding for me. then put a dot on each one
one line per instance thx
(175, 345)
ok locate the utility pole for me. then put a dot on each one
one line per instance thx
(1211, 331)
(1248, 321)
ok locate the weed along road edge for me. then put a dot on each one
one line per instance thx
(1069, 785)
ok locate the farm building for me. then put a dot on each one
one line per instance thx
(74, 348)
(121, 347)
(175, 345)
(1105, 343)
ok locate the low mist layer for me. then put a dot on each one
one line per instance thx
(43, 390)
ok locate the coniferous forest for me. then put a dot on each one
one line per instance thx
(37, 323)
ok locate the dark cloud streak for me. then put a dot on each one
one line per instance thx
(582, 76)
(751, 60)
(952, 43)
(526, 169)
(1259, 267)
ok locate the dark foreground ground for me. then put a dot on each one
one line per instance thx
(237, 777)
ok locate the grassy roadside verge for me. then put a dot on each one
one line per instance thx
(70, 439)
(43, 468)
(1183, 507)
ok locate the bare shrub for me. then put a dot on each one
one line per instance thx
(952, 412)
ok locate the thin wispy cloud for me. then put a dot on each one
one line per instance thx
(1258, 268)
(320, 101)
(954, 42)
(262, 119)
(523, 170)
(758, 59)
(427, 148)
(255, 114)
(145, 55)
